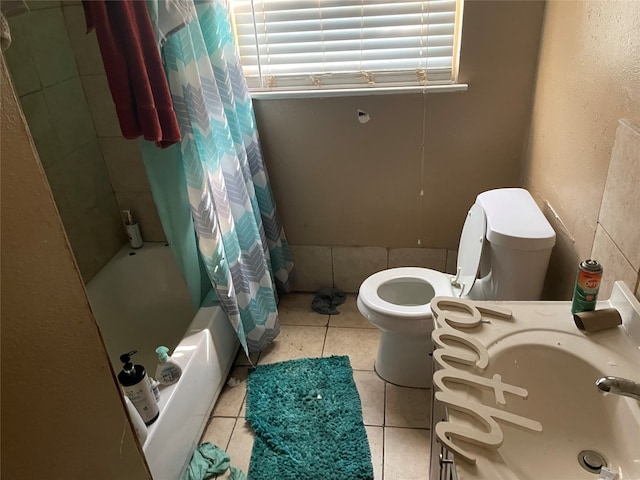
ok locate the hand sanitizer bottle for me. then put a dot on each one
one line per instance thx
(168, 370)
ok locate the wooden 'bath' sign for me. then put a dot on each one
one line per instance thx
(474, 353)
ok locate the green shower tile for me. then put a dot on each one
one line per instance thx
(41, 126)
(125, 165)
(96, 237)
(79, 182)
(42, 4)
(62, 182)
(50, 46)
(19, 60)
(70, 114)
(101, 105)
(90, 175)
(85, 45)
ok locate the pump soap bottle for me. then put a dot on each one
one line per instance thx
(135, 385)
(168, 370)
(133, 231)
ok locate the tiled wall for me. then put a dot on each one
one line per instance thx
(94, 173)
(617, 240)
(347, 267)
(48, 82)
(122, 157)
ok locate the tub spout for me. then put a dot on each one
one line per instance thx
(619, 386)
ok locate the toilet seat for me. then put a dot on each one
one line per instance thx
(470, 250)
(439, 282)
(471, 243)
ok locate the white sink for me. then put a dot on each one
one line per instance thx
(541, 350)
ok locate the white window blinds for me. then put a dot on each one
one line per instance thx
(315, 44)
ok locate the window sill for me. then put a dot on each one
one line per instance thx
(353, 92)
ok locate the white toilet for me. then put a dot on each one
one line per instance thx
(506, 241)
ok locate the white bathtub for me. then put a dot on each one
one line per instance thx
(140, 301)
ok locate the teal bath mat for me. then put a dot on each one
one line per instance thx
(307, 419)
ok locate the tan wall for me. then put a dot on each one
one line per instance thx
(62, 414)
(588, 79)
(338, 182)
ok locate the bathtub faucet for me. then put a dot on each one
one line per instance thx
(619, 386)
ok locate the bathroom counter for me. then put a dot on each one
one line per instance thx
(525, 404)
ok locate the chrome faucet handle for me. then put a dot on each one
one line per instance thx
(619, 386)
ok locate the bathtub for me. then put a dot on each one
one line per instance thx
(140, 302)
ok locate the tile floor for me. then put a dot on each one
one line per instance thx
(396, 418)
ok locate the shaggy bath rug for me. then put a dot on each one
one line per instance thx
(307, 419)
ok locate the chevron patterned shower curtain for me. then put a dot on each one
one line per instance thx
(240, 237)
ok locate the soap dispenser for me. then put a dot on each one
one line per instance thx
(168, 370)
(133, 231)
(135, 385)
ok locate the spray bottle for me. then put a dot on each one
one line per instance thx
(168, 370)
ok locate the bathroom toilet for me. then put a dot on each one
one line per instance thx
(503, 254)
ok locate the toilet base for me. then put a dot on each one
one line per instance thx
(405, 359)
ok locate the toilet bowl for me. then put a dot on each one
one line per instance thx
(505, 229)
(397, 302)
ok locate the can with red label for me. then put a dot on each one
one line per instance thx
(585, 293)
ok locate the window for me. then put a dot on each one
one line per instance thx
(311, 45)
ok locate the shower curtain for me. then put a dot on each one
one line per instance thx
(239, 235)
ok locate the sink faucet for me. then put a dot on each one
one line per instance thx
(619, 386)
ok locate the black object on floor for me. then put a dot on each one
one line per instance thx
(327, 299)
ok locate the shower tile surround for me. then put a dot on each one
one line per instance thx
(50, 88)
(396, 418)
(616, 243)
(94, 173)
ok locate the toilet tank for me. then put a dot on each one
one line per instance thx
(517, 246)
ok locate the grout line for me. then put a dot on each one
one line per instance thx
(383, 449)
(333, 279)
(384, 406)
(244, 399)
(356, 327)
(324, 342)
(408, 428)
(226, 448)
(384, 423)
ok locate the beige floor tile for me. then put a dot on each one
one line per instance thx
(231, 398)
(360, 344)
(219, 431)
(240, 446)
(406, 453)
(350, 315)
(294, 342)
(371, 391)
(295, 309)
(376, 444)
(407, 407)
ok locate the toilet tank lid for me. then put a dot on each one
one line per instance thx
(515, 221)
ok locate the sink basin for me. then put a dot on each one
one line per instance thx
(541, 350)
